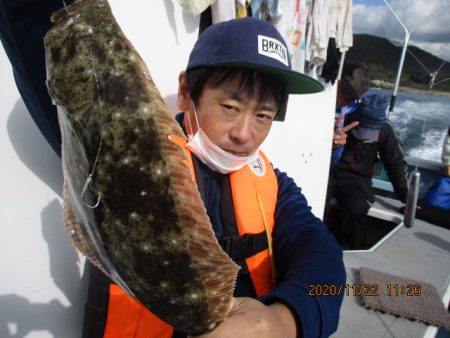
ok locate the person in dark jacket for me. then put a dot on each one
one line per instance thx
(350, 193)
(353, 84)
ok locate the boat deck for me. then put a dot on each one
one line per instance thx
(420, 253)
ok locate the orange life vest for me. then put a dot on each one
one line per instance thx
(254, 192)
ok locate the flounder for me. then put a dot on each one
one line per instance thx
(129, 197)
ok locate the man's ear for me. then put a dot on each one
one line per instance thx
(183, 96)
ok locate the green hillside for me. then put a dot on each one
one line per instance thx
(382, 58)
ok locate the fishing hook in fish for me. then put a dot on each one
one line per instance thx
(86, 185)
(89, 178)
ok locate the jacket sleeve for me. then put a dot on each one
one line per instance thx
(336, 154)
(23, 25)
(393, 158)
(306, 254)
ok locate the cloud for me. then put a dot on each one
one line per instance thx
(427, 20)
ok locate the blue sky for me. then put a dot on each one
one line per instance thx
(428, 22)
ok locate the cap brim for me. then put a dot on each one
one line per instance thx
(296, 83)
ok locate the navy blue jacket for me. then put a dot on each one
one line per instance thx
(23, 25)
(306, 253)
(359, 160)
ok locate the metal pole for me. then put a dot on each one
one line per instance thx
(399, 72)
(405, 46)
(341, 65)
(411, 200)
(402, 57)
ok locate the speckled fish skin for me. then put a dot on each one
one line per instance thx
(149, 232)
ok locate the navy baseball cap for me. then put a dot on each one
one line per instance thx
(251, 44)
(371, 115)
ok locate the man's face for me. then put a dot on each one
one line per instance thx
(353, 87)
(232, 120)
(360, 81)
(344, 94)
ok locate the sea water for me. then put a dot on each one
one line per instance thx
(421, 122)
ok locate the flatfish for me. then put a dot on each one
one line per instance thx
(130, 200)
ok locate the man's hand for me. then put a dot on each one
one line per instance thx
(340, 135)
(249, 317)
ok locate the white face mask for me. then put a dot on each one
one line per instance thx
(213, 156)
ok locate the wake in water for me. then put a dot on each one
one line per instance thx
(421, 122)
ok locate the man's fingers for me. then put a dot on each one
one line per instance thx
(340, 120)
(349, 126)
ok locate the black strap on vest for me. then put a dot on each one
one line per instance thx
(237, 247)
(241, 247)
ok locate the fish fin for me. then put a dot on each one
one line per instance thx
(72, 225)
(216, 269)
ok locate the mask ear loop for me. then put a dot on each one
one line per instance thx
(196, 120)
(195, 113)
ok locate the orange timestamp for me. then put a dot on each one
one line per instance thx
(343, 289)
(404, 290)
(367, 290)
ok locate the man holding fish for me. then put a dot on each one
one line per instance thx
(236, 84)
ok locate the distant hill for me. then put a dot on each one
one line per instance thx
(381, 57)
